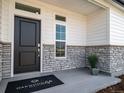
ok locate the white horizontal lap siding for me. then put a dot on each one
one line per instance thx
(47, 26)
(0, 16)
(76, 23)
(0, 39)
(76, 30)
(97, 28)
(5, 34)
(116, 27)
(75, 26)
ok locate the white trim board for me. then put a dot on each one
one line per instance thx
(15, 12)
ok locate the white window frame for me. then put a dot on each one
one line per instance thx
(64, 24)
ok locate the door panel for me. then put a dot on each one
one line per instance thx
(26, 40)
(27, 58)
(26, 29)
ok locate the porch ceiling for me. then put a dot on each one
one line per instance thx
(80, 6)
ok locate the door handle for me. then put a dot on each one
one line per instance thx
(38, 45)
(38, 49)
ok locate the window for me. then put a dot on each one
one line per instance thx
(60, 18)
(27, 8)
(60, 40)
(60, 49)
(60, 32)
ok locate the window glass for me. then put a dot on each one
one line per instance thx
(27, 8)
(60, 18)
(60, 49)
(60, 32)
(60, 36)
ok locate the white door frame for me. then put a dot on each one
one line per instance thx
(26, 15)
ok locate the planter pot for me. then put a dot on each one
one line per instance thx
(94, 71)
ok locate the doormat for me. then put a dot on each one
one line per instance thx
(33, 84)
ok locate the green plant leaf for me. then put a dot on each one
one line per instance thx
(93, 59)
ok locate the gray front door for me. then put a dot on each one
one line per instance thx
(26, 45)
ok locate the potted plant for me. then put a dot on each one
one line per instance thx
(93, 59)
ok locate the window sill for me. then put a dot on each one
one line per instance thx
(61, 58)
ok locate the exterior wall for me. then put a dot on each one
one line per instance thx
(97, 28)
(76, 23)
(117, 60)
(116, 41)
(111, 58)
(6, 60)
(82, 31)
(76, 30)
(0, 62)
(0, 44)
(0, 18)
(116, 23)
(103, 53)
(75, 58)
(76, 35)
(116, 30)
(116, 27)
(5, 34)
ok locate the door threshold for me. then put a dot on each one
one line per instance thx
(35, 73)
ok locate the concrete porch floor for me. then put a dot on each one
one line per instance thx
(75, 81)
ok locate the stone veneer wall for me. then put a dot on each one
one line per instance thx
(6, 60)
(103, 53)
(0, 62)
(75, 58)
(117, 60)
(111, 58)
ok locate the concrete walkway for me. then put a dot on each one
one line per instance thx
(75, 81)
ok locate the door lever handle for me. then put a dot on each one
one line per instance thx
(38, 45)
(38, 53)
(38, 49)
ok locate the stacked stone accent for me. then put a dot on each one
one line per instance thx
(117, 60)
(111, 59)
(0, 62)
(75, 58)
(103, 53)
(6, 60)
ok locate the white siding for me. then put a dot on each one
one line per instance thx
(97, 28)
(76, 30)
(76, 23)
(116, 27)
(48, 29)
(0, 38)
(76, 26)
(5, 21)
(0, 16)
(116, 22)
(79, 27)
